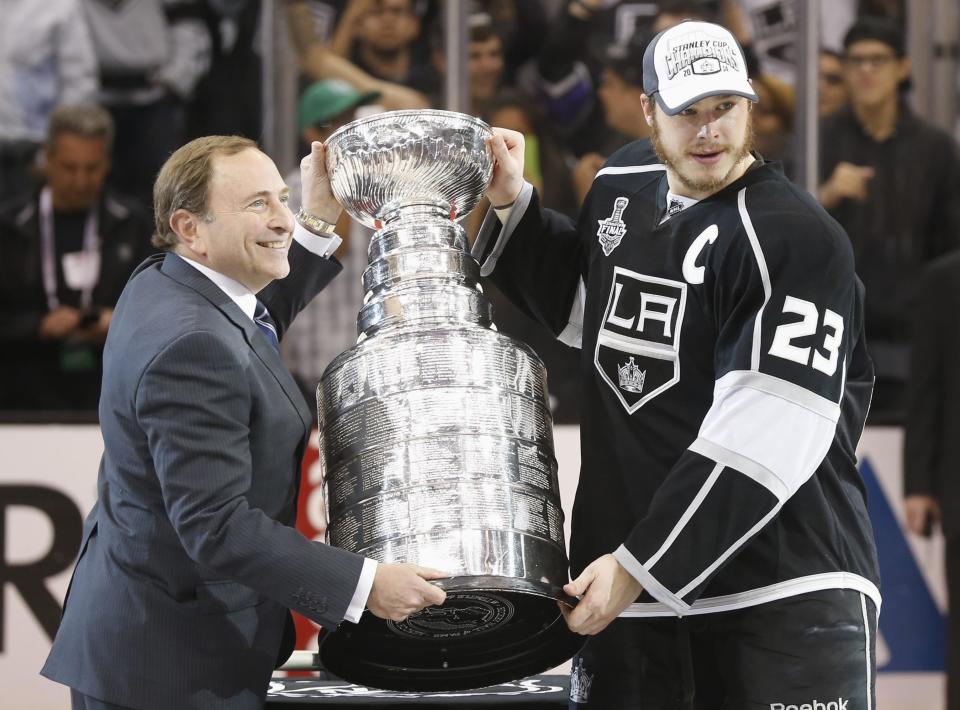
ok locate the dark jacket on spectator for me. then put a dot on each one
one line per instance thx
(910, 216)
(932, 447)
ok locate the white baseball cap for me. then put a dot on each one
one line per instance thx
(691, 61)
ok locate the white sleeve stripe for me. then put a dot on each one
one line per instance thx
(762, 595)
(778, 435)
(764, 275)
(866, 647)
(519, 208)
(785, 389)
(698, 580)
(572, 334)
(649, 582)
(748, 467)
(625, 169)
(687, 514)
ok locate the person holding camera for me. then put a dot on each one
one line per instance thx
(66, 251)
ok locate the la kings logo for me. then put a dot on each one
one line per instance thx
(613, 228)
(637, 346)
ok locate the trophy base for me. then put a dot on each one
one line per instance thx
(490, 630)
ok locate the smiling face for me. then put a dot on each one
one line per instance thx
(706, 146)
(248, 228)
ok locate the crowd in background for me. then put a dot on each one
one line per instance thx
(94, 94)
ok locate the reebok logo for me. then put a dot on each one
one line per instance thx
(838, 704)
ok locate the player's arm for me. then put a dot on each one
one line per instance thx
(784, 297)
(533, 254)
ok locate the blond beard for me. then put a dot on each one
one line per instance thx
(707, 185)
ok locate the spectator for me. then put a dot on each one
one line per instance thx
(485, 61)
(773, 120)
(379, 37)
(673, 12)
(620, 92)
(892, 181)
(318, 61)
(46, 58)
(228, 100)
(768, 29)
(544, 166)
(621, 87)
(931, 484)
(832, 90)
(152, 53)
(328, 325)
(565, 81)
(65, 253)
(520, 26)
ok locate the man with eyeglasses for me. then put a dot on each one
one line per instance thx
(831, 89)
(892, 181)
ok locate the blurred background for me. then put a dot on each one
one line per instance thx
(859, 101)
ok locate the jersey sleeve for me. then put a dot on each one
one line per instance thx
(537, 259)
(783, 294)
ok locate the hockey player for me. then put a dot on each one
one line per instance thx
(721, 545)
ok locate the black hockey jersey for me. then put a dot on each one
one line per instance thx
(724, 382)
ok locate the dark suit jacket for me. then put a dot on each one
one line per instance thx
(30, 375)
(189, 560)
(931, 464)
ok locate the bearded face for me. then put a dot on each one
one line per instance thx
(707, 146)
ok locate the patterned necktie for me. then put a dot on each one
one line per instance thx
(261, 316)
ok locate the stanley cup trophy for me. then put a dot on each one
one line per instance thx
(434, 429)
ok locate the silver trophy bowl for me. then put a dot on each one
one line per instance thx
(407, 158)
(435, 432)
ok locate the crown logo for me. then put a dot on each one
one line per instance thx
(631, 376)
(580, 682)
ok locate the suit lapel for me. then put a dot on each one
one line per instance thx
(177, 269)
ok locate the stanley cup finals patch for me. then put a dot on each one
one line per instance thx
(613, 228)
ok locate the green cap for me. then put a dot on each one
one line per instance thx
(327, 99)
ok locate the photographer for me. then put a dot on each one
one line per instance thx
(66, 251)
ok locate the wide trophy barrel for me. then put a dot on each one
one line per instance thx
(435, 429)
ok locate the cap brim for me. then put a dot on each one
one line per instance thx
(676, 99)
(337, 105)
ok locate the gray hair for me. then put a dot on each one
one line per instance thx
(84, 120)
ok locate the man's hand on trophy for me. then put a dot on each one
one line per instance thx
(400, 590)
(318, 199)
(605, 589)
(507, 148)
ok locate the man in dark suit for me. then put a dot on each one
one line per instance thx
(189, 560)
(932, 446)
(66, 251)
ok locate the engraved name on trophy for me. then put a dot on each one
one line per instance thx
(435, 430)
